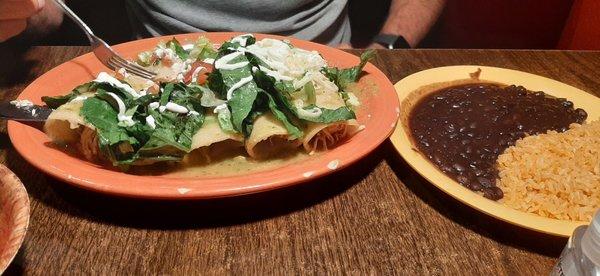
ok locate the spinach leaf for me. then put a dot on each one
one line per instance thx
(277, 110)
(216, 84)
(187, 96)
(329, 115)
(192, 125)
(103, 117)
(278, 102)
(177, 48)
(166, 93)
(242, 99)
(208, 98)
(142, 101)
(228, 45)
(224, 119)
(162, 142)
(114, 141)
(344, 77)
(248, 123)
(164, 139)
(55, 102)
(107, 87)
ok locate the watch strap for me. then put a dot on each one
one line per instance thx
(391, 41)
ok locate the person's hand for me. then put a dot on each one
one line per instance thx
(14, 15)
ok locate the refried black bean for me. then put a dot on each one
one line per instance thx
(463, 129)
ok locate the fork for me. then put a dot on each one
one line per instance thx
(103, 51)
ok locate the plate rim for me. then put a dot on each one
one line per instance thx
(163, 192)
(452, 188)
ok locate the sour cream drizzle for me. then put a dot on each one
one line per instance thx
(314, 112)
(220, 108)
(150, 121)
(242, 39)
(176, 108)
(104, 77)
(223, 62)
(127, 120)
(196, 72)
(237, 85)
(79, 98)
(153, 105)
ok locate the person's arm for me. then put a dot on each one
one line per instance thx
(37, 17)
(411, 19)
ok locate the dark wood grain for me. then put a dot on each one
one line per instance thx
(376, 217)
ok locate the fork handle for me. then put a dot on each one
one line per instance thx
(88, 32)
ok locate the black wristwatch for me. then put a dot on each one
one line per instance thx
(391, 41)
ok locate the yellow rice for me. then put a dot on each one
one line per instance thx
(555, 175)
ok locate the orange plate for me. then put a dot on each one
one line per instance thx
(378, 112)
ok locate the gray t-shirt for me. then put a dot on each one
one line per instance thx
(323, 21)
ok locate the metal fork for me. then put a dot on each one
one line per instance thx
(103, 52)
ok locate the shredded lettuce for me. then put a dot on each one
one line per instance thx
(202, 49)
(144, 58)
(224, 119)
(309, 89)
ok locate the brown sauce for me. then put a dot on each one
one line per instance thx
(462, 129)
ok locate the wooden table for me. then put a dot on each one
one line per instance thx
(376, 217)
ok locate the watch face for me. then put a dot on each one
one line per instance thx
(400, 43)
(391, 41)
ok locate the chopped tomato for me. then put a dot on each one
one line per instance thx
(202, 75)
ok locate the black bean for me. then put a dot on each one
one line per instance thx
(567, 104)
(458, 167)
(475, 129)
(581, 113)
(484, 182)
